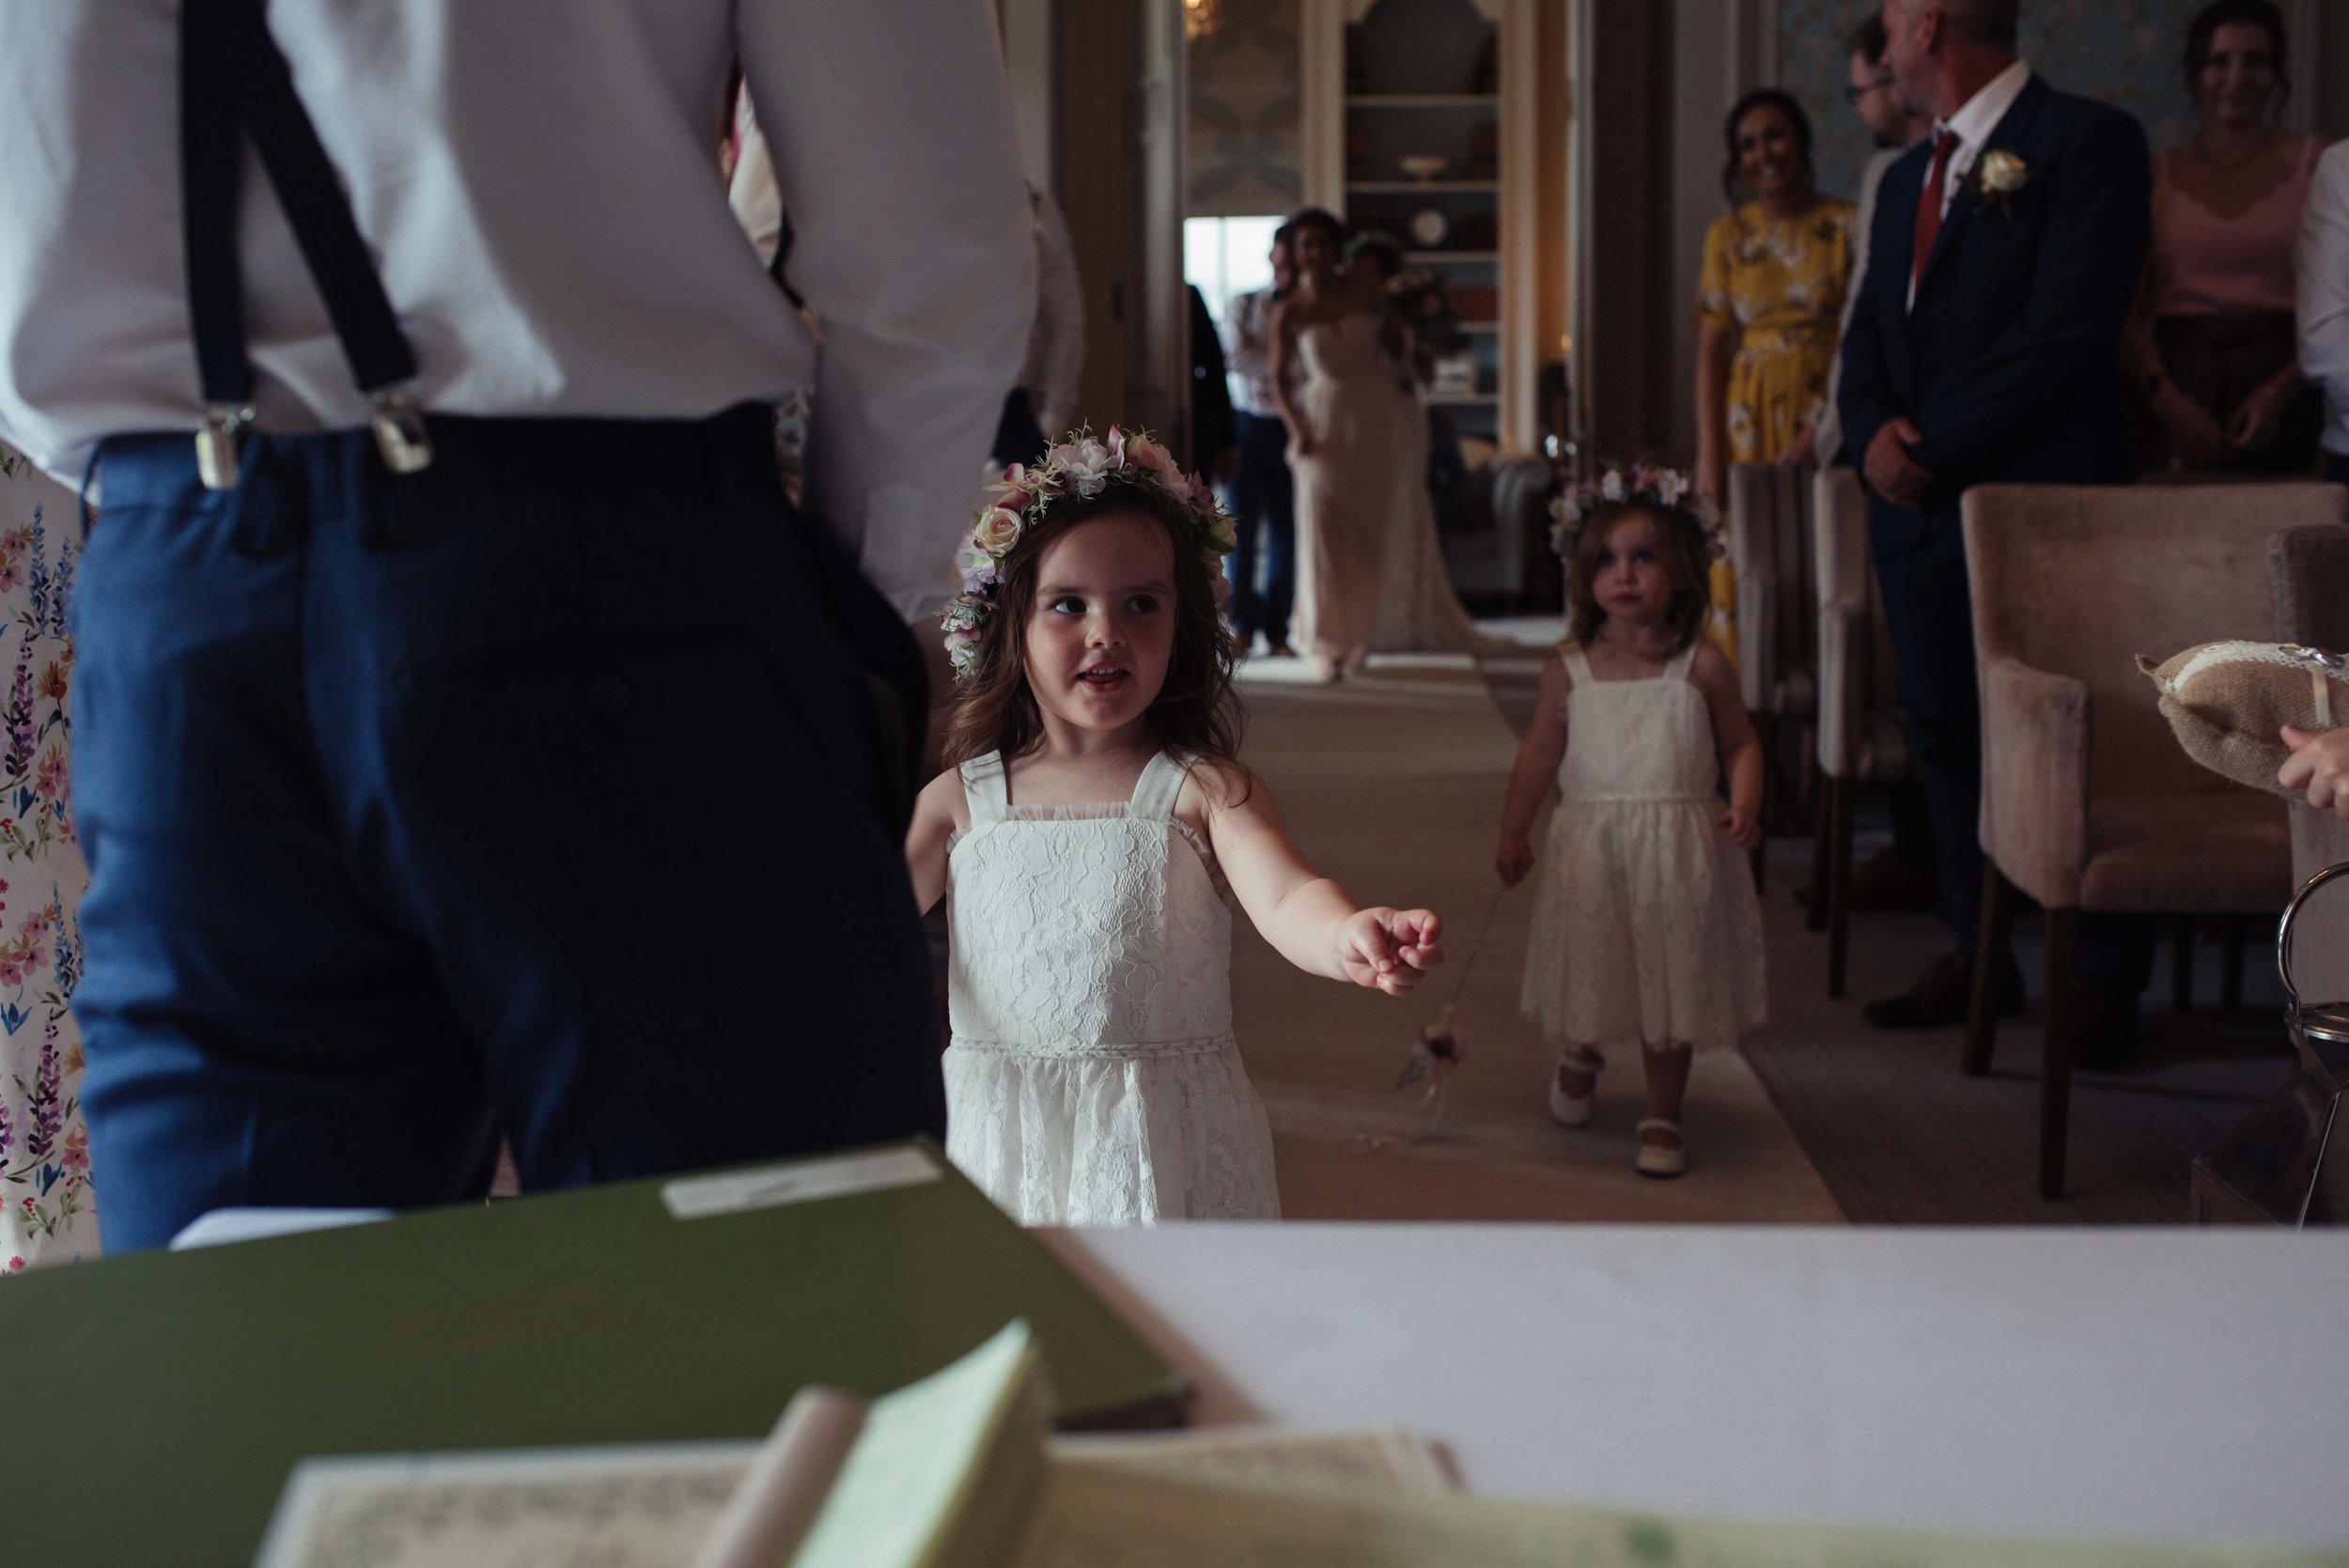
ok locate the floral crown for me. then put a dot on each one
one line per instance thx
(1082, 467)
(1667, 490)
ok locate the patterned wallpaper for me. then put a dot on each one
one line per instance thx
(2123, 52)
(1240, 147)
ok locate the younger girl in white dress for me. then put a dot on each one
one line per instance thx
(1092, 836)
(1646, 928)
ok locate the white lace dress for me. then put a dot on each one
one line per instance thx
(1645, 926)
(1092, 1078)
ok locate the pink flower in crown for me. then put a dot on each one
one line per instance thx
(1202, 493)
(1087, 465)
(1016, 488)
(1116, 448)
(1147, 454)
(977, 569)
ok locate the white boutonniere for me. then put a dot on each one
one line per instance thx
(1998, 176)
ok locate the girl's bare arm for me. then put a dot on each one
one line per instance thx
(1309, 918)
(938, 810)
(1537, 767)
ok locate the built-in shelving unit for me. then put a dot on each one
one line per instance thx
(1387, 81)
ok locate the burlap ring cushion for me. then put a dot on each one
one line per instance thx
(2226, 701)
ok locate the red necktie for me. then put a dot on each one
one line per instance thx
(1929, 208)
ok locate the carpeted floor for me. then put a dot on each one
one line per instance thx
(1900, 1135)
(1393, 783)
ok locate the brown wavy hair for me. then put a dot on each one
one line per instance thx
(1680, 545)
(1198, 712)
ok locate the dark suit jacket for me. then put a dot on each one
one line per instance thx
(2009, 360)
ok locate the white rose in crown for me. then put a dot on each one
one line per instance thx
(996, 532)
(1999, 177)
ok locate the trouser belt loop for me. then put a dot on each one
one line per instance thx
(257, 505)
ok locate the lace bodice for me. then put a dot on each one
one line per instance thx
(1085, 930)
(1660, 736)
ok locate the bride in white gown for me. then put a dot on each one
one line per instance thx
(1370, 576)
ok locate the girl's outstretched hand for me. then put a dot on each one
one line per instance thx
(1744, 830)
(2318, 764)
(1390, 950)
(1512, 861)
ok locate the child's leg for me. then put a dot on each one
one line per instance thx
(1571, 1089)
(1578, 1069)
(1666, 1087)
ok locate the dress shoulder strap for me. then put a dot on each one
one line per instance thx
(1155, 791)
(1576, 666)
(1686, 659)
(985, 788)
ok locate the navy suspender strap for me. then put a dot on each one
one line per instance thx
(233, 79)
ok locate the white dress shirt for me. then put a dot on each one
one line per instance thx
(1975, 120)
(545, 208)
(2321, 262)
(1828, 432)
(1248, 353)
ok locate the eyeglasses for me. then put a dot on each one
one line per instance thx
(1853, 95)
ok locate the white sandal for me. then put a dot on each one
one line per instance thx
(1655, 1160)
(1574, 1110)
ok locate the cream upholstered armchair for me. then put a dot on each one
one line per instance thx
(1769, 544)
(2089, 803)
(1861, 738)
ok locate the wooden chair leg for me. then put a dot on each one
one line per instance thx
(1996, 932)
(1839, 885)
(1815, 918)
(2055, 1072)
(1773, 793)
(2181, 965)
(2231, 966)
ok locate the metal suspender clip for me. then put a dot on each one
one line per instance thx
(399, 432)
(216, 444)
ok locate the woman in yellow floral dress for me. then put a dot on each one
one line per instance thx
(1776, 268)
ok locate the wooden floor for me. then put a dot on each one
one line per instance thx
(1393, 783)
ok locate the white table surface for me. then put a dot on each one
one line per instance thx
(2150, 1385)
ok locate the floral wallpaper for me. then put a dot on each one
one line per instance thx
(2121, 52)
(47, 1202)
(1240, 149)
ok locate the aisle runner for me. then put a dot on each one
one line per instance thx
(1391, 782)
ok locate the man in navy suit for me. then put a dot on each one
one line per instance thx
(2005, 251)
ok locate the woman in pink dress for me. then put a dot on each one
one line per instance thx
(2212, 345)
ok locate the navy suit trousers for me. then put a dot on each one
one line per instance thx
(1928, 612)
(528, 797)
(1264, 504)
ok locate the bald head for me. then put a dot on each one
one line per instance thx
(1942, 52)
(1994, 22)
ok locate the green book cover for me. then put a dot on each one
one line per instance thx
(675, 1309)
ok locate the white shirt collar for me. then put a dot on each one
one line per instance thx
(1980, 115)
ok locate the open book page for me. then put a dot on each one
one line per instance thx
(1378, 1456)
(1114, 1516)
(619, 1507)
(943, 1475)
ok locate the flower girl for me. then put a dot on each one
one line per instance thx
(1646, 931)
(1092, 838)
